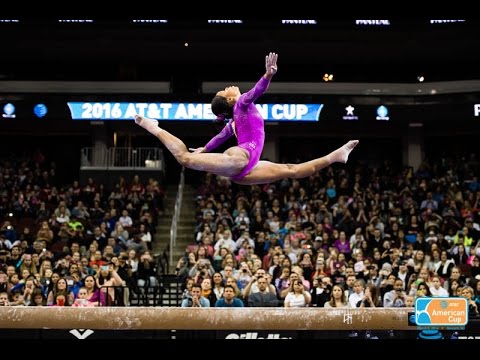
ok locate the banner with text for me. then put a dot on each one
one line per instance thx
(185, 111)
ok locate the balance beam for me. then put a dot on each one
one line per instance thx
(169, 318)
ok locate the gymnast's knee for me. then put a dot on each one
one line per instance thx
(185, 159)
(292, 171)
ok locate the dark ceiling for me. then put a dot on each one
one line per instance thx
(126, 51)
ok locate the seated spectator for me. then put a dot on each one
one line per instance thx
(218, 285)
(467, 293)
(82, 299)
(93, 292)
(207, 291)
(423, 290)
(436, 289)
(252, 286)
(229, 299)
(396, 297)
(147, 272)
(45, 233)
(80, 211)
(358, 293)
(370, 297)
(263, 297)
(38, 298)
(145, 236)
(338, 298)
(4, 300)
(121, 235)
(297, 296)
(60, 290)
(63, 215)
(320, 291)
(125, 220)
(233, 283)
(108, 280)
(195, 300)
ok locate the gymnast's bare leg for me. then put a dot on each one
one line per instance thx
(229, 163)
(268, 172)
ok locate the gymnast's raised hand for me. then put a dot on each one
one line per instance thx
(271, 64)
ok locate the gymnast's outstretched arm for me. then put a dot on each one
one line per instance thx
(226, 133)
(262, 85)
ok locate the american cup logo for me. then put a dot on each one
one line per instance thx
(439, 311)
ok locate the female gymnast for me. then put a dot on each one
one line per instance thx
(242, 163)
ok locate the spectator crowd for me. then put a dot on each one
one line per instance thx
(76, 244)
(345, 237)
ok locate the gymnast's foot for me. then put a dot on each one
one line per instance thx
(341, 154)
(151, 125)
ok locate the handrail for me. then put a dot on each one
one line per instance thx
(176, 214)
(148, 158)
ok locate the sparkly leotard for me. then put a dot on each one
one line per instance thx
(248, 125)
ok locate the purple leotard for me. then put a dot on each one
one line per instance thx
(249, 127)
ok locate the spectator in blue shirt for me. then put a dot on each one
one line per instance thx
(229, 299)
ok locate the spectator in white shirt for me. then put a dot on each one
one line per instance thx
(357, 294)
(436, 289)
(125, 219)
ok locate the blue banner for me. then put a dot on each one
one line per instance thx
(185, 111)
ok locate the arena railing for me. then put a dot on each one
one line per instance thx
(148, 158)
(176, 214)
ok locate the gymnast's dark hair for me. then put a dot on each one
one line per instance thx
(221, 107)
